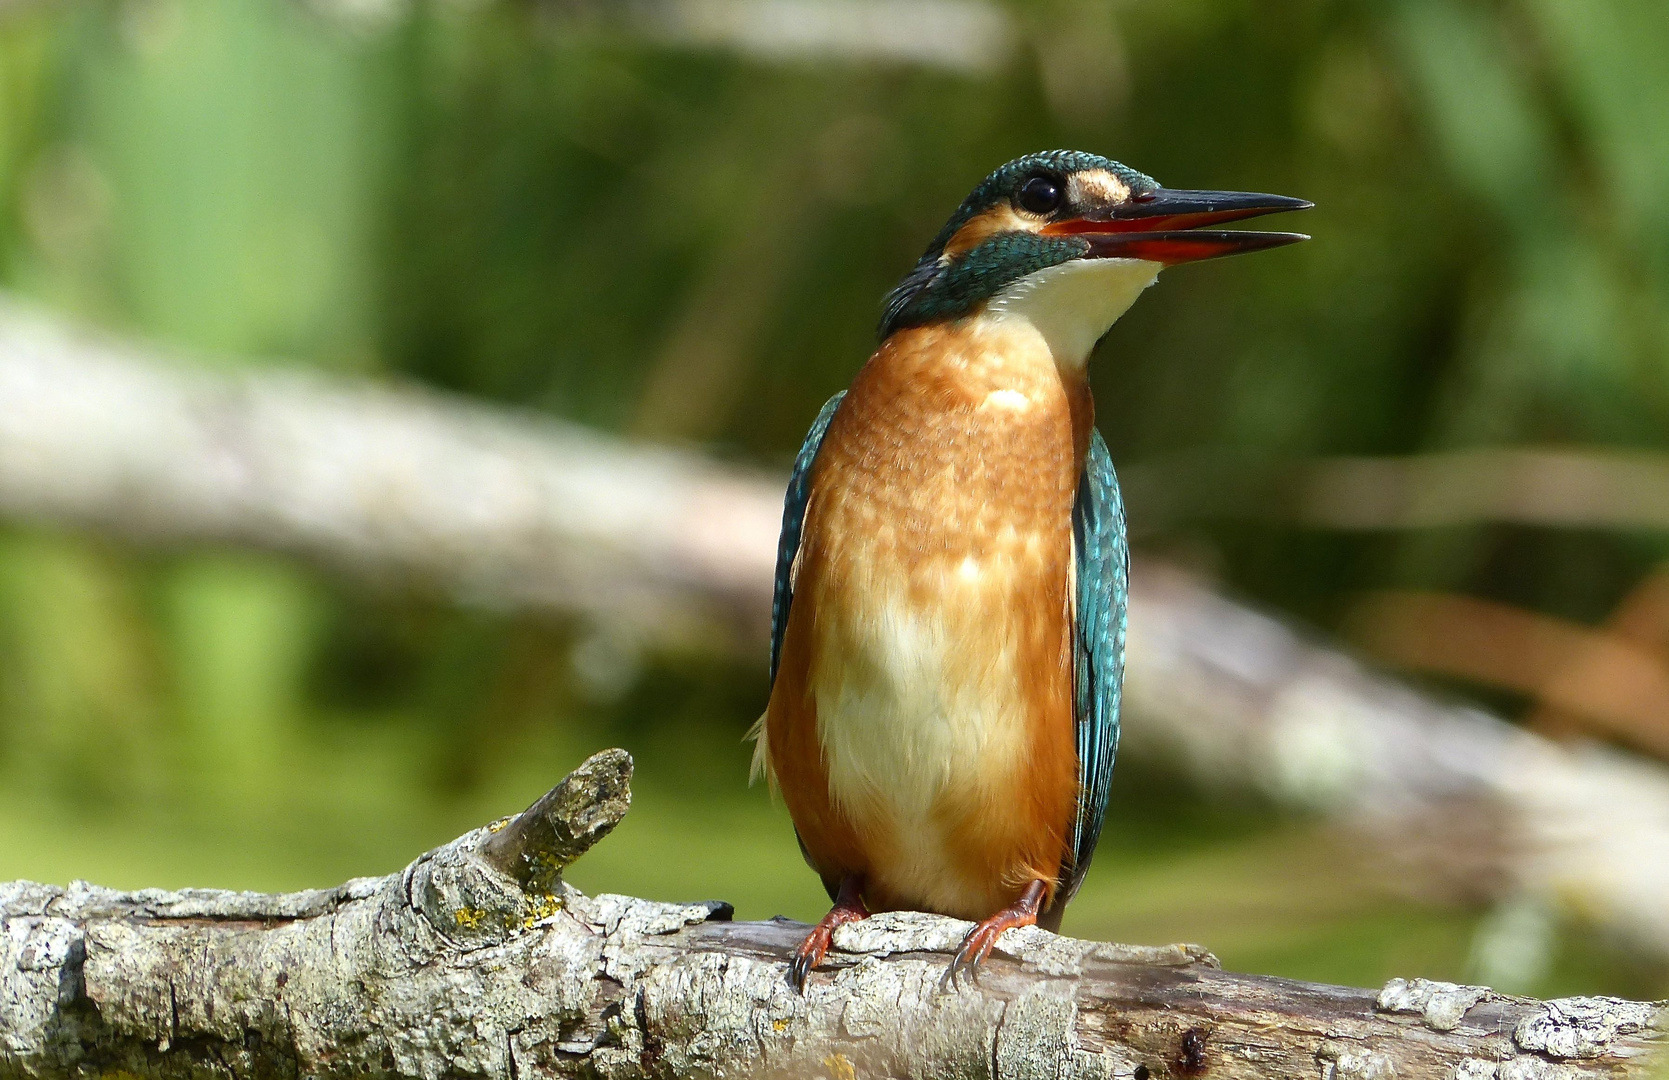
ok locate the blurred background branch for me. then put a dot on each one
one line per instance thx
(1562, 488)
(962, 36)
(1606, 683)
(959, 35)
(390, 484)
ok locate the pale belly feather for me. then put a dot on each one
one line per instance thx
(921, 723)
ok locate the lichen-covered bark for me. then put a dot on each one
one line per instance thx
(478, 960)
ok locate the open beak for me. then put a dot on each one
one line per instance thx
(1166, 226)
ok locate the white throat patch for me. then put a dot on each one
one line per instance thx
(1073, 304)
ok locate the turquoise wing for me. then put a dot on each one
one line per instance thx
(1103, 572)
(793, 519)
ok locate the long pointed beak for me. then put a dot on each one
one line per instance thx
(1167, 226)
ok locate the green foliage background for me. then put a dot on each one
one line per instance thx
(534, 205)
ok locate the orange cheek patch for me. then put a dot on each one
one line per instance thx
(999, 219)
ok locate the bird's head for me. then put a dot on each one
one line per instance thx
(1068, 240)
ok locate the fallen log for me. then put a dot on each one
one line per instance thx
(479, 960)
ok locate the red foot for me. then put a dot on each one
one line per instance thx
(848, 907)
(983, 937)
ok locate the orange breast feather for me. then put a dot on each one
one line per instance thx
(920, 727)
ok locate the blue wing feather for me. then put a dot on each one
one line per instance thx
(1103, 569)
(793, 519)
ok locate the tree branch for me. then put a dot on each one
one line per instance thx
(455, 966)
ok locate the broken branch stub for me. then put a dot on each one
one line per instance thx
(542, 840)
(508, 876)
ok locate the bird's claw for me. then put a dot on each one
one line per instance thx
(808, 956)
(849, 907)
(976, 946)
(979, 941)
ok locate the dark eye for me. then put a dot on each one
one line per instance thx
(1039, 195)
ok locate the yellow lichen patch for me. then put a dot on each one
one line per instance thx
(840, 1068)
(779, 1025)
(469, 918)
(543, 908)
(543, 863)
(500, 823)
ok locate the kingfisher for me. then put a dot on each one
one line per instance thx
(947, 632)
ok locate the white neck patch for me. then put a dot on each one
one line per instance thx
(1073, 304)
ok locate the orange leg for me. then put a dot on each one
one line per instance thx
(848, 907)
(980, 940)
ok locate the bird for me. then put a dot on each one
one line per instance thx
(949, 611)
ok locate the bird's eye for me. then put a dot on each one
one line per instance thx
(1039, 195)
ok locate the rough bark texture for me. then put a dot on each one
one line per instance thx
(477, 960)
(403, 485)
